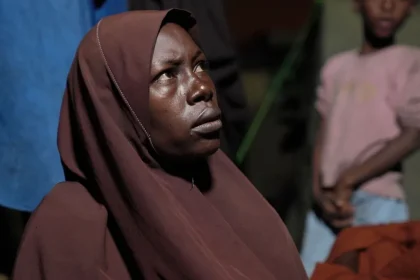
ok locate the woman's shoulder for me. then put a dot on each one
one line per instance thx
(71, 201)
(64, 237)
(67, 209)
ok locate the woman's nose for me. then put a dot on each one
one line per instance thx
(199, 92)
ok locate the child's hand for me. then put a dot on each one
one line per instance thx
(337, 217)
(344, 188)
(344, 216)
(341, 199)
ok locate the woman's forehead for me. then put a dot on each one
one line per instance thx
(171, 35)
(173, 45)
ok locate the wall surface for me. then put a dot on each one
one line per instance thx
(249, 17)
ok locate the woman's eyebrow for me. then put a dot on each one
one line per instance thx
(196, 55)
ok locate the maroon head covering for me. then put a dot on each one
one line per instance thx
(120, 216)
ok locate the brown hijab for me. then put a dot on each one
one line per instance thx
(118, 215)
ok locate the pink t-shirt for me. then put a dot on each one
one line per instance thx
(364, 99)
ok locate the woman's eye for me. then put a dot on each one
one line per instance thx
(167, 75)
(202, 66)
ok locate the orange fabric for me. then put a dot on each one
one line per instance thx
(385, 252)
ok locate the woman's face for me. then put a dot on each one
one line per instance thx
(185, 118)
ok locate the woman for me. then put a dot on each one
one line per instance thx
(147, 193)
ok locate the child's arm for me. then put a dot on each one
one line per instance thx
(324, 197)
(316, 160)
(390, 155)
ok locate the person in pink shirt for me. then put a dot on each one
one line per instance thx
(369, 103)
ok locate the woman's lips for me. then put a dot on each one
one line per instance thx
(208, 121)
(208, 127)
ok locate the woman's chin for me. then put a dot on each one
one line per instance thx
(208, 147)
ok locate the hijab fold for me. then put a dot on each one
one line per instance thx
(168, 229)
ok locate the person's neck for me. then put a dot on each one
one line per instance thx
(184, 169)
(372, 44)
(181, 167)
(196, 171)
